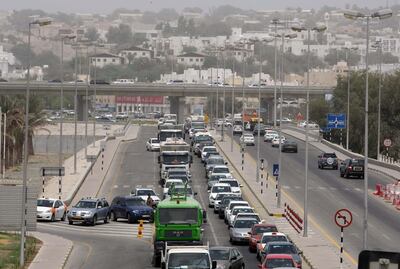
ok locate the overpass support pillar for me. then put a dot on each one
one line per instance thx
(177, 106)
(82, 108)
(267, 110)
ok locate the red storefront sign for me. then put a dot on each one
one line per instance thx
(153, 100)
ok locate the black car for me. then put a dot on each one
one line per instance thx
(3, 80)
(131, 208)
(289, 146)
(352, 167)
(100, 81)
(225, 202)
(261, 127)
(55, 81)
(328, 160)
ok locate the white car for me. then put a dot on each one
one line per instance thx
(144, 193)
(255, 85)
(270, 135)
(219, 170)
(275, 141)
(302, 124)
(217, 188)
(123, 81)
(237, 129)
(218, 199)
(230, 206)
(248, 215)
(205, 150)
(219, 122)
(247, 139)
(50, 209)
(313, 125)
(122, 116)
(235, 186)
(169, 183)
(236, 210)
(153, 144)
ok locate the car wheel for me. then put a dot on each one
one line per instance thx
(53, 218)
(106, 219)
(156, 261)
(130, 218)
(242, 267)
(70, 222)
(94, 220)
(346, 175)
(341, 174)
(63, 216)
(113, 216)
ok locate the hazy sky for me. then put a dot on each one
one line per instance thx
(106, 6)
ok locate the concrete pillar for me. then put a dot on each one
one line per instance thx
(82, 108)
(267, 110)
(177, 106)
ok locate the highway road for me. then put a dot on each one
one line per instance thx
(329, 192)
(115, 245)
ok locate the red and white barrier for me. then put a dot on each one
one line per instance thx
(293, 218)
(390, 193)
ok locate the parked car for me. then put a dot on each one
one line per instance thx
(289, 146)
(227, 257)
(239, 230)
(122, 116)
(256, 233)
(50, 209)
(247, 139)
(278, 261)
(153, 144)
(327, 160)
(131, 208)
(352, 167)
(89, 210)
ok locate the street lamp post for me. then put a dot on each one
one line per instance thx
(308, 29)
(96, 45)
(76, 107)
(382, 14)
(378, 47)
(39, 22)
(275, 22)
(233, 101)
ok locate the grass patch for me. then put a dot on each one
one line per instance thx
(9, 250)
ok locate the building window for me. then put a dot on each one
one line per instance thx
(197, 59)
(143, 54)
(182, 60)
(98, 59)
(201, 59)
(191, 60)
(113, 60)
(104, 60)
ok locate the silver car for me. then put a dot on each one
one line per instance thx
(89, 210)
(239, 231)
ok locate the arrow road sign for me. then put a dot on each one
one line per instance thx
(343, 218)
(275, 170)
(336, 121)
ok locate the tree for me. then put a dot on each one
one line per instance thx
(193, 10)
(167, 14)
(189, 49)
(51, 60)
(20, 19)
(139, 39)
(120, 35)
(182, 26)
(335, 56)
(92, 34)
(21, 52)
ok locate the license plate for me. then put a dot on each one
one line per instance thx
(357, 169)
(145, 216)
(76, 217)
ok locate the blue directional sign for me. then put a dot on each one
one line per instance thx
(275, 170)
(336, 121)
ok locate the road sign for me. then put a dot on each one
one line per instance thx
(336, 121)
(387, 142)
(343, 218)
(52, 171)
(91, 158)
(275, 170)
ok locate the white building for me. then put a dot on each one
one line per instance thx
(390, 45)
(191, 59)
(135, 53)
(192, 75)
(104, 59)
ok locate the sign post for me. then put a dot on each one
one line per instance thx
(343, 219)
(275, 173)
(387, 143)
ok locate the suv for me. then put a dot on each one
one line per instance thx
(89, 210)
(131, 208)
(352, 167)
(328, 160)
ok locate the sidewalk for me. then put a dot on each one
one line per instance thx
(55, 250)
(263, 199)
(323, 147)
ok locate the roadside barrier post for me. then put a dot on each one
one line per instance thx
(140, 229)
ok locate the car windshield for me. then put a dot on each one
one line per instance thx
(329, 155)
(276, 263)
(248, 136)
(219, 254)
(221, 170)
(135, 202)
(154, 141)
(178, 215)
(265, 229)
(241, 210)
(233, 183)
(226, 201)
(145, 192)
(217, 189)
(86, 204)
(220, 196)
(273, 238)
(216, 177)
(188, 261)
(357, 162)
(251, 216)
(244, 223)
(215, 161)
(237, 204)
(166, 134)
(281, 249)
(175, 159)
(203, 138)
(45, 203)
(175, 172)
(210, 150)
(170, 183)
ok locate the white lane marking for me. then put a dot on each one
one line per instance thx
(358, 189)
(297, 187)
(126, 186)
(115, 186)
(286, 187)
(322, 188)
(386, 237)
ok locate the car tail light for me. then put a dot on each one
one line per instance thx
(350, 168)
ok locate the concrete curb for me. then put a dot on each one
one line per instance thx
(67, 255)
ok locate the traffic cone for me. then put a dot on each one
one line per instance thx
(378, 189)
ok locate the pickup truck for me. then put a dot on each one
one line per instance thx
(187, 257)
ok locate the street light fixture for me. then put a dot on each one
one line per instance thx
(40, 22)
(275, 22)
(318, 28)
(381, 14)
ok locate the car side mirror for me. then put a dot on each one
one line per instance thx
(240, 185)
(162, 265)
(214, 264)
(195, 193)
(226, 163)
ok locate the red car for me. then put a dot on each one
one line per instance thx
(277, 261)
(256, 232)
